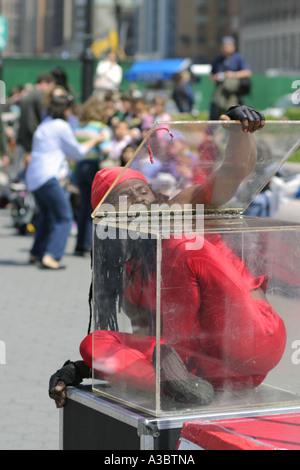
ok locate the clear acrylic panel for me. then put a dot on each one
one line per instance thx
(196, 312)
(229, 166)
(227, 307)
(124, 332)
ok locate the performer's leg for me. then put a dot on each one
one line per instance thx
(211, 318)
(127, 359)
(121, 358)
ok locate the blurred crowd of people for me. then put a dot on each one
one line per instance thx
(119, 120)
(46, 135)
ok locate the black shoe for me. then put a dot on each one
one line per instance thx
(81, 252)
(177, 382)
(34, 260)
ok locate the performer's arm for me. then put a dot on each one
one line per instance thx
(239, 160)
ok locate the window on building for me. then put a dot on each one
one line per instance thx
(185, 40)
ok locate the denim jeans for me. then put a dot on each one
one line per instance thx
(54, 220)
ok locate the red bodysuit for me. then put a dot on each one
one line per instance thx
(208, 315)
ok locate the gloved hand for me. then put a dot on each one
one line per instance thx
(243, 112)
(251, 119)
(72, 373)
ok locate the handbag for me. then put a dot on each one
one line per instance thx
(245, 86)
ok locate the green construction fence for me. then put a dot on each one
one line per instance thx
(265, 89)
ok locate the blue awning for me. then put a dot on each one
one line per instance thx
(156, 70)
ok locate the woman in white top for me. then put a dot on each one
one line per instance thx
(53, 141)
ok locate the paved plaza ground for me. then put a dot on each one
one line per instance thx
(43, 317)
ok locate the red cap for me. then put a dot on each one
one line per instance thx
(105, 178)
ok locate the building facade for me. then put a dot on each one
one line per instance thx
(270, 35)
(34, 26)
(268, 32)
(57, 27)
(184, 28)
(202, 23)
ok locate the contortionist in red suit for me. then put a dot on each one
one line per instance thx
(218, 327)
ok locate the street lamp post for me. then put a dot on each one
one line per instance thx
(118, 11)
(1, 59)
(87, 57)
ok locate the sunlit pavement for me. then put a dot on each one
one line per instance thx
(43, 318)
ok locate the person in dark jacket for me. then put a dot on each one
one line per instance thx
(228, 70)
(31, 109)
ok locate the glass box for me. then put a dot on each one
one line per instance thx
(195, 305)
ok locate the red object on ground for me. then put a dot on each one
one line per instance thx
(258, 433)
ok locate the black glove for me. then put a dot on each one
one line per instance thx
(72, 373)
(243, 113)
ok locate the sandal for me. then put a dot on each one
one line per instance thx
(48, 262)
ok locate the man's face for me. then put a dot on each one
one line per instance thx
(46, 87)
(136, 191)
(228, 48)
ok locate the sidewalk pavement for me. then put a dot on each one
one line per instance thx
(43, 318)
